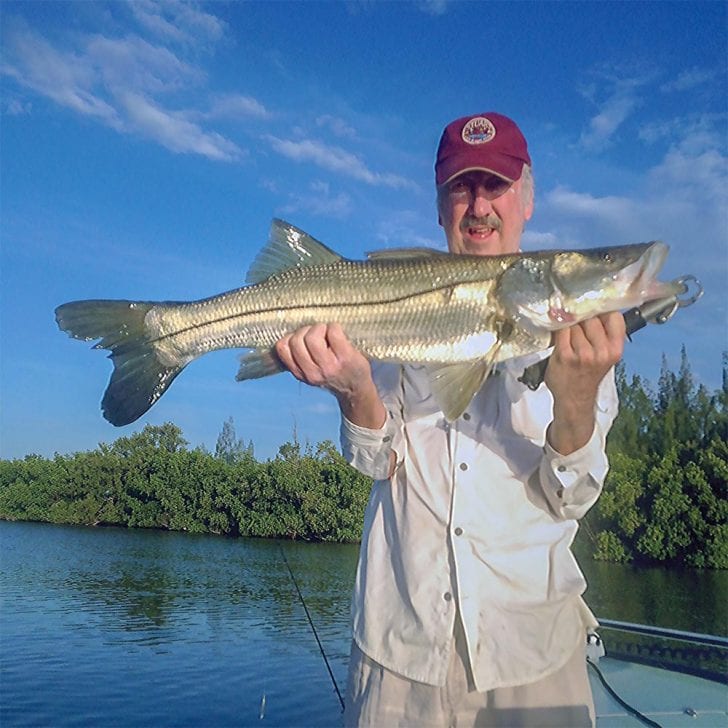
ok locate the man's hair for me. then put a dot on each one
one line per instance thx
(527, 187)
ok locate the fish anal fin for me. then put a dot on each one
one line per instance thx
(288, 247)
(257, 364)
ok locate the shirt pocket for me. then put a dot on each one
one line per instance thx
(528, 413)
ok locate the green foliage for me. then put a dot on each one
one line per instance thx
(150, 480)
(610, 548)
(228, 447)
(665, 495)
(664, 499)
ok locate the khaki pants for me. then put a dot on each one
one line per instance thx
(379, 698)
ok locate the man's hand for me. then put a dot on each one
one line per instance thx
(322, 355)
(582, 356)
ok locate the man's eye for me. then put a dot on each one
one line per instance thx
(458, 188)
(496, 186)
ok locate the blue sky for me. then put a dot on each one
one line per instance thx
(145, 148)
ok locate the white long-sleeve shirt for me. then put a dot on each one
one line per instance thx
(479, 516)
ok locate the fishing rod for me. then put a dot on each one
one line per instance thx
(657, 311)
(313, 628)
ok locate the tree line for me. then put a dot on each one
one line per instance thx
(151, 480)
(665, 496)
(664, 499)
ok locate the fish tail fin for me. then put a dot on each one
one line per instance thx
(139, 378)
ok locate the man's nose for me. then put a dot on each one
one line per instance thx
(481, 204)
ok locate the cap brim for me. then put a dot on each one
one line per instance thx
(505, 166)
(478, 169)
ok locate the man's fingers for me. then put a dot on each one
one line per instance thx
(338, 342)
(615, 326)
(283, 351)
(589, 338)
(319, 360)
(596, 340)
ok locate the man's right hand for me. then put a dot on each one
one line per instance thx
(322, 356)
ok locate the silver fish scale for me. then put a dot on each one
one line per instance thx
(422, 309)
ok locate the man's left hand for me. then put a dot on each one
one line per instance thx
(582, 356)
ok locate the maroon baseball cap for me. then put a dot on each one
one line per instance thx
(488, 141)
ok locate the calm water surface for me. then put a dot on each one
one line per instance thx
(132, 627)
(155, 628)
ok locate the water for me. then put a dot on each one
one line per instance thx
(132, 627)
(156, 628)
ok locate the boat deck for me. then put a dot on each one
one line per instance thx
(670, 699)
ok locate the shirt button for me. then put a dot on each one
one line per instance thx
(458, 531)
(560, 493)
(466, 416)
(561, 468)
(386, 439)
(447, 596)
(463, 466)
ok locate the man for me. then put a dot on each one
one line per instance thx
(467, 606)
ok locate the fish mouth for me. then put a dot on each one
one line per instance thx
(643, 274)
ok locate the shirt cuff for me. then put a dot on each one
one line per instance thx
(366, 449)
(573, 482)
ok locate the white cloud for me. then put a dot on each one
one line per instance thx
(335, 159)
(683, 200)
(689, 79)
(405, 229)
(120, 83)
(132, 63)
(65, 78)
(610, 208)
(621, 97)
(319, 201)
(177, 21)
(338, 126)
(696, 132)
(235, 106)
(535, 240)
(176, 133)
(602, 126)
(433, 7)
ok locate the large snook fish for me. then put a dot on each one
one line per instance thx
(461, 314)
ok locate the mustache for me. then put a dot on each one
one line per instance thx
(492, 221)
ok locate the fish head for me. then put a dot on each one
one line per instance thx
(561, 288)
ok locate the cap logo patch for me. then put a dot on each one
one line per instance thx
(478, 131)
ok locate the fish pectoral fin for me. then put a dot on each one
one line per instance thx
(455, 385)
(288, 247)
(257, 364)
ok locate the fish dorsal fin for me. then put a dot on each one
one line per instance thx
(455, 385)
(404, 253)
(288, 247)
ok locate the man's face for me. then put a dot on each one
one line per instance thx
(483, 214)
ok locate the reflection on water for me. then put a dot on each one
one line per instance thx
(147, 627)
(135, 627)
(689, 599)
